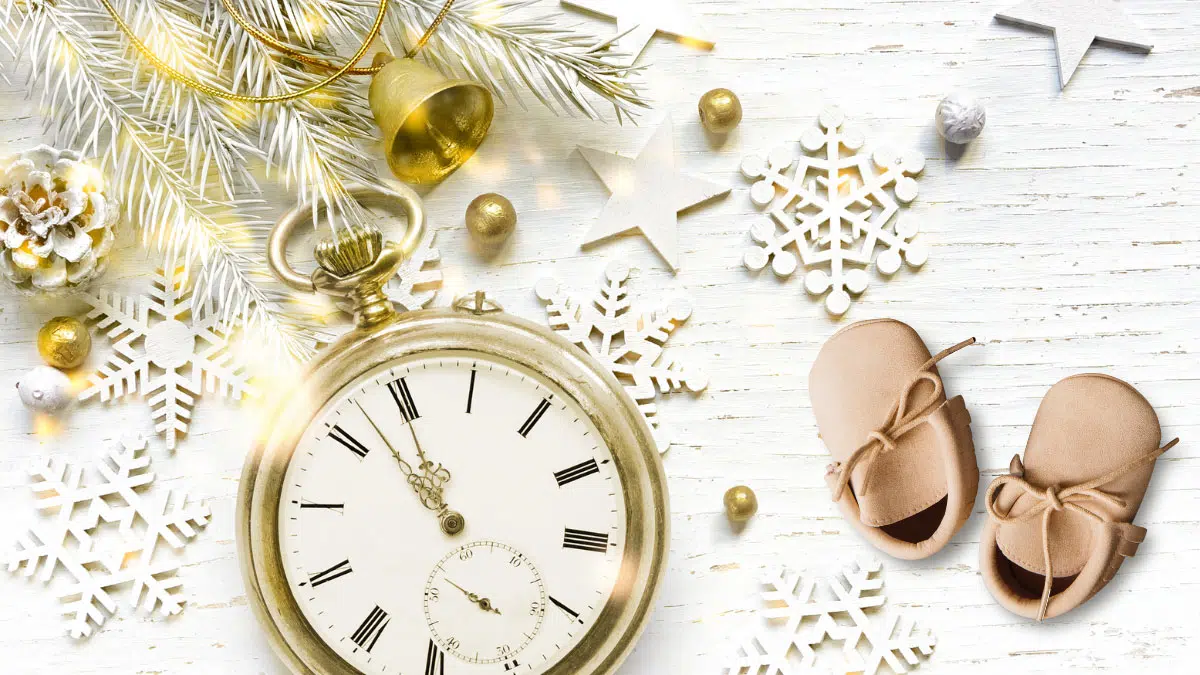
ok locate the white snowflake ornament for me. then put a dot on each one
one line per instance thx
(834, 211)
(71, 538)
(628, 341)
(804, 612)
(171, 359)
(417, 281)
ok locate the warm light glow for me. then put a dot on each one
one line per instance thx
(313, 23)
(240, 113)
(692, 42)
(625, 183)
(46, 426)
(487, 12)
(485, 169)
(548, 196)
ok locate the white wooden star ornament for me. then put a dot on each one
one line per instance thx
(1076, 24)
(638, 21)
(648, 193)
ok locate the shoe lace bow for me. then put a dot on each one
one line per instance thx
(904, 416)
(1052, 499)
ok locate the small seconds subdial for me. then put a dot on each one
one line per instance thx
(485, 602)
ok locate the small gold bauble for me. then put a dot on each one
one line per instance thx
(491, 219)
(720, 111)
(740, 504)
(64, 342)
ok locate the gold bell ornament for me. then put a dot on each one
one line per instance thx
(431, 124)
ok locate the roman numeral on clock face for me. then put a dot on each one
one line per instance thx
(534, 418)
(369, 631)
(471, 392)
(435, 660)
(339, 434)
(336, 572)
(584, 540)
(328, 507)
(567, 610)
(581, 470)
(404, 400)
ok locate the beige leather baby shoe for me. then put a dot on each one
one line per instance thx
(1061, 523)
(905, 473)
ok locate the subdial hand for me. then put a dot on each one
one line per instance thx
(427, 485)
(482, 603)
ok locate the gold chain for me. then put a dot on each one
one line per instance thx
(347, 68)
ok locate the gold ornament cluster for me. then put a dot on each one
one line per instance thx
(64, 343)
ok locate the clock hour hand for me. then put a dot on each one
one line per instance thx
(483, 603)
(427, 485)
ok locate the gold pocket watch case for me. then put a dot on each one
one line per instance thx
(473, 331)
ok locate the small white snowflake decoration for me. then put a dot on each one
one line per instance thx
(418, 279)
(834, 211)
(629, 341)
(803, 612)
(169, 359)
(70, 536)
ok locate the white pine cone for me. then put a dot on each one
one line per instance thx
(56, 222)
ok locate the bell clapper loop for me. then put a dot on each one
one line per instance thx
(356, 263)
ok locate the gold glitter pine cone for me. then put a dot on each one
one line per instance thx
(56, 222)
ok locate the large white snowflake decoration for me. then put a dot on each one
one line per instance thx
(834, 211)
(803, 612)
(628, 341)
(70, 536)
(169, 360)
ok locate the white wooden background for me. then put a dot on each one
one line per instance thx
(1065, 240)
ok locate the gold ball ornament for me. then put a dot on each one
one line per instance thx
(491, 219)
(740, 504)
(720, 111)
(64, 342)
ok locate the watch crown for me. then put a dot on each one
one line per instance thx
(350, 251)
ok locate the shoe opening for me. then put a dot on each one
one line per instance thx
(1025, 583)
(920, 526)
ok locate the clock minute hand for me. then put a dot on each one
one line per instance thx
(440, 473)
(427, 486)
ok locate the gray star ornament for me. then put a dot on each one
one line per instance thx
(1076, 24)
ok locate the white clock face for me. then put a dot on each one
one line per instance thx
(361, 522)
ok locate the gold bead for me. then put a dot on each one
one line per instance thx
(720, 111)
(64, 342)
(740, 504)
(491, 219)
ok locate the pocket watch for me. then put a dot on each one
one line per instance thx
(447, 492)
